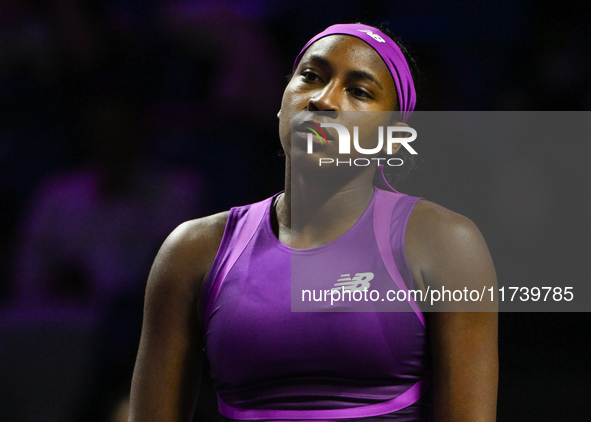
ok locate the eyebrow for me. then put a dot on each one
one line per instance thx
(355, 74)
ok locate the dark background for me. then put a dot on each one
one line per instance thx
(133, 116)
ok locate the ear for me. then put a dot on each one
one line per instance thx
(395, 147)
(279, 114)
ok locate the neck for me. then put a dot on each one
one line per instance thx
(316, 210)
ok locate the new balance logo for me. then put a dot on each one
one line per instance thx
(371, 34)
(360, 281)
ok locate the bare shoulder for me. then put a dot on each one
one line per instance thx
(188, 252)
(198, 235)
(432, 225)
(441, 244)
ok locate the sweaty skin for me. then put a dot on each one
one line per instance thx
(442, 248)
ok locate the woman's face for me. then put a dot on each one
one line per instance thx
(338, 73)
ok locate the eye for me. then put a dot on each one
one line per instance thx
(310, 76)
(360, 93)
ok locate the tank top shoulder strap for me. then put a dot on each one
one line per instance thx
(391, 213)
(243, 223)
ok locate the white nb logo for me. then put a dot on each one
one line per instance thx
(371, 34)
(360, 281)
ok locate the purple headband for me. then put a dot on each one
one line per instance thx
(388, 51)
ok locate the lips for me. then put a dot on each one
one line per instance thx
(307, 126)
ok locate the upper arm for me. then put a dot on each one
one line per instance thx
(446, 250)
(168, 367)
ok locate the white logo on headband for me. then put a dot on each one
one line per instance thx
(371, 34)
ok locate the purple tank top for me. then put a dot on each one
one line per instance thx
(269, 363)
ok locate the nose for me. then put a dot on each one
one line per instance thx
(326, 99)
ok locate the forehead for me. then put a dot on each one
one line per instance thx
(348, 51)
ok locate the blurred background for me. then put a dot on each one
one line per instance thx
(121, 119)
